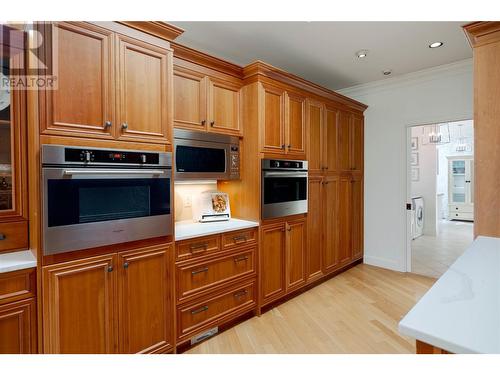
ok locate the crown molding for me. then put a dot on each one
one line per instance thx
(260, 68)
(159, 29)
(482, 32)
(189, 54)
(456, 68)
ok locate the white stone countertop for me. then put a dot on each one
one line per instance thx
(461, 312)
(18, 260)
(190, 229)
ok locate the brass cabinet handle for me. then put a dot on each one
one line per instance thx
(289, 146)
(212, 123)
(203, 122)
(124, 125)
(125, 265)
(203, 246)
(199, 271)
(2, 236)
(240, 259)
(240, 238)
(201, 309)
(240, 293)
(110, 268)
(282, 147)
(108, 124)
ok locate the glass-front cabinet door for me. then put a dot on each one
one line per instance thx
(458, 181)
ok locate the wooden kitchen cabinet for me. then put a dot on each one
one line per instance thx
(357, 216)
(79, 306)
(351, 141)
(315, 217)
(295, 124)
(273, 119)
(345, 219)
(330, 140)
(296, 242)
(273, 261)
(145, 298)
(18, 328)
(331, 258)
(206, 103)
(315, 149)
(143, 87)
(283, 258)
(109, 85)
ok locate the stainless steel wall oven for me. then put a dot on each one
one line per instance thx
(95, 197)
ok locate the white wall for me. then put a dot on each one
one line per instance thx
(439, 94)
(425, 187)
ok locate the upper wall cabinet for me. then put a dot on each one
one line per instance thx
(283, 119)
(13, 165)
(206, 103)
(108, 85)
(351, 141)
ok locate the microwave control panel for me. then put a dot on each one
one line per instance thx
(235, 162)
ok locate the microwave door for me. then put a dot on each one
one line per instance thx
(201, 160)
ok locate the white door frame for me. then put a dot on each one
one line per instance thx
(407, 182)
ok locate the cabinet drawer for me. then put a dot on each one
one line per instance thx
(195, 278)
(239, 238)
(13, 236)
(196, 247)
(461, 209)
(462, 215)
(17, 285)
(202, 314)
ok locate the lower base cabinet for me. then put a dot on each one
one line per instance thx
(17, 327)
(116, 303)
(283, 261)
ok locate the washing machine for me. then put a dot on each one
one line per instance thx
(417, 204)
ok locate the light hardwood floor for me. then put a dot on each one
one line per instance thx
(354, 312)
(433, 255)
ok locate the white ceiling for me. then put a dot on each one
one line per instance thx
(324, 52)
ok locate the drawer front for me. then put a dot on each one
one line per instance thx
(199, 277)
(462, 215)
(239, 238)
(461, 209)
(13, 236)
(197, 247)
(17, 285)
(205, 313)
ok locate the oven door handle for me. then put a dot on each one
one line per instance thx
(285, 174)
(73, 172)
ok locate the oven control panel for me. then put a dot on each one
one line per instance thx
(109, 156)
(286, 164)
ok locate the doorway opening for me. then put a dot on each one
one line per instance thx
(441, 193)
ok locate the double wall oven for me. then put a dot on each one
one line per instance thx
(95, 197)
(284, 187)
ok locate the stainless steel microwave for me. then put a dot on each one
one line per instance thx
(96, 197)
(201, 155)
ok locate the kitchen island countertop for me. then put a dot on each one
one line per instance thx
(18, 260)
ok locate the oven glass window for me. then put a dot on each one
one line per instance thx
(284, 189)
(93, 200)
(188, 159)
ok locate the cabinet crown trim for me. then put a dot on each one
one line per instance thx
(482, 32)
(159, 29)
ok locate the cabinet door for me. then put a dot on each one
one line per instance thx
(272, 103)
(144, 87)
(79, 306)
(224, 107)
(330, 139)
(331, 226)
(296, 254)
(345, 215)
(190, 100)
(272, 261)
(357, 216)
(315, 136)
(145, 298)
(315, 227)
(295, 124)
(344, 144)
(18, 328)
(83, 103)
(357, 142)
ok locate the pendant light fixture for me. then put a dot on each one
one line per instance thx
(461, 141)
(436, 134)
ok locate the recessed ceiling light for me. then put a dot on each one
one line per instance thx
(362, 54)
(436, 44)
(387, 72)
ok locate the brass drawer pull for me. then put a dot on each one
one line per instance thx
(201, 309)
(240, 294)
(199, 271)
(203, 247)
(240, 259)
(2, 236)
(240, 239)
